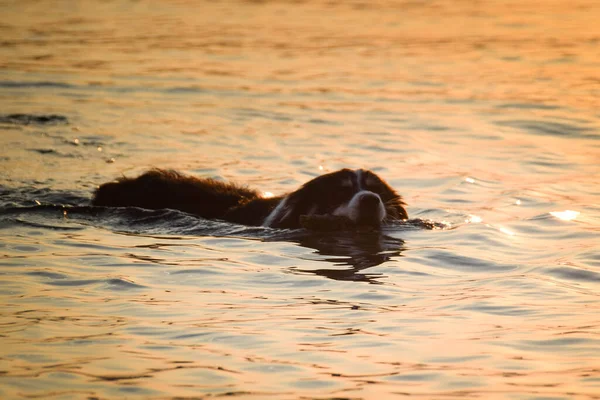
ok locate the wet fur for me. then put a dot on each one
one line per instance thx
(209, 198)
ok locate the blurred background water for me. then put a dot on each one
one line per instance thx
(484, 115)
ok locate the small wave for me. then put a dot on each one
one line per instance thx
(122, 284)
(60, 279)
(513, 311)
(73, 282)
(33, 84)
(32, 196)
(450, 260)
(33, 119)
(427, 224)
(111, 284)
(529, 106)
(47, 274)
(549, 128)
(185, 89)
(127, 219)
(574, 274)
(51, 226)
(54, 152)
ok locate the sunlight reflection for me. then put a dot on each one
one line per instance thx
(473, 219)
(268, 195)
(469, 180)
(567, 215)
(506, 230)
(518, 202)
(447, 224)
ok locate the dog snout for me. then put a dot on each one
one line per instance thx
(369, 202)
(370, 209)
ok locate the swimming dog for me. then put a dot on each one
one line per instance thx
(358, 195)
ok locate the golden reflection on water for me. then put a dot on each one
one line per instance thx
(474, 219)
(478, 102)
(530, 51)
(506, 230)
(567, 215)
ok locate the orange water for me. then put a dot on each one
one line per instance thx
(484, 115)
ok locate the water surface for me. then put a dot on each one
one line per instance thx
(484, 115)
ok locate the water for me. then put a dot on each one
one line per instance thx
(484, 115)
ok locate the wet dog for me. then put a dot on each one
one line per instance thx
(358, 195)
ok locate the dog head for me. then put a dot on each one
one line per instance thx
(360, 195)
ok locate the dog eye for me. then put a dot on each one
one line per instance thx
(344, 191)
(341, 194)
(374, 186)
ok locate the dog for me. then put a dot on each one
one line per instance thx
(358, 195)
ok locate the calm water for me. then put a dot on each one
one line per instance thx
(484, 115)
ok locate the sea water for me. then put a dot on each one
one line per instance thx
(483, 115)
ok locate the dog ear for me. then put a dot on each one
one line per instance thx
(395, 209)
(286, 214)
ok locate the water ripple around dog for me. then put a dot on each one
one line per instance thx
(484, 117)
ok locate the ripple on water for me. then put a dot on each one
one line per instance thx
(550, 128)
(48, 274)
(131, 303)
(579, 346)
(34, 84)
(490, 308)
(529, 106)
(589, 258)
(547, 226)
(459, 263)
(63, 280)
(29, 119)
(572, 274)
